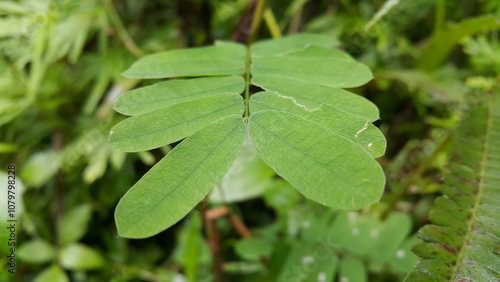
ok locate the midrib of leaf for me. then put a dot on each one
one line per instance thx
(247, 83)
(482, 176)
(193, 169)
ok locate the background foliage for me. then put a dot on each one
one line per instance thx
(61, 64)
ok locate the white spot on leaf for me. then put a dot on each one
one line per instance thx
(344, 279)
(370, 145)
(352, 217)
(307, 260)
(355, 232)
(400, 254)
(374, 233)
(362, 129)
(321, 277)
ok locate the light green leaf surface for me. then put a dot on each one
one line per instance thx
(168, 93)
(247, 178)
(40, 168)
(309, 263)
(403, 259)
(355, 232)
(352, 270)
(329, 170)
(164, 126)
(36, 251)
(74, 224)
(296, 42)
(253, 248)
(313, 96)
(358, 131)
(225, 59)
(80, 257)
(97, 163)
(181, 180)
(392, 234)
(313, 65)
(52, 274)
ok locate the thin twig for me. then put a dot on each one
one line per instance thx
(213, 240)
(57, 145)
(239, 226)
(295, 23)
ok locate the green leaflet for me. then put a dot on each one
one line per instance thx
(347, 243)
(355, 130)
(168, 93)
(352, 269)
(462, 243)
(313, 65)
(315, 135)
(164, 126)
(266, 48)
(225, 59)
(329, 170)
(181, 180)
(247, 178)
(309, 263)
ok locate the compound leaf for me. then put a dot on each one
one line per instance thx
(181, 180)
(308, 130)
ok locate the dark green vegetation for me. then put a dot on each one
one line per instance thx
(435, 67)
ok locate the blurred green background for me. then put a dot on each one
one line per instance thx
(60, 74)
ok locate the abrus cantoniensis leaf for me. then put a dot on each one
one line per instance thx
(311, 132)
(166, 193)
(226, 59)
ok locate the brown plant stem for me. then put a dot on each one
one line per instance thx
(57, 145)
(213, 241)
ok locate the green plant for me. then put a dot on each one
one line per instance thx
(303, 125)
(462, 241)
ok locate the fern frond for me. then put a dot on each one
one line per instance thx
(463, 241)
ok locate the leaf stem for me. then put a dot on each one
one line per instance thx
(247, 84)
(271, 23)
(256, 20)
(213, 240)
(440, 15)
